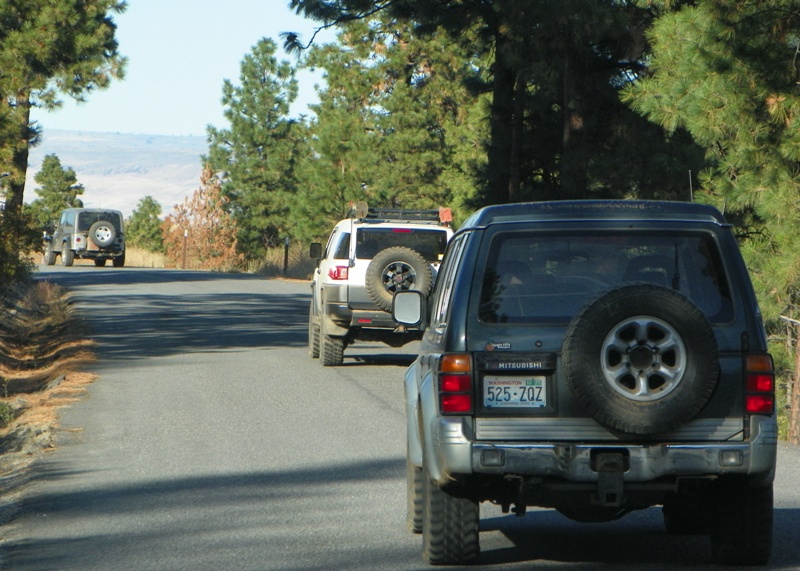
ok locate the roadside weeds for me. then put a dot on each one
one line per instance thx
(42, 349)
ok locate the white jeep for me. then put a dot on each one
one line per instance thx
(368, 258)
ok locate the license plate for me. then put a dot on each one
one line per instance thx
(530, 392)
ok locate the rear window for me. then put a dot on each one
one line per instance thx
(535, 278)
(86, 219)
(430, 243)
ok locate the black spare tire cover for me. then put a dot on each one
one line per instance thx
(102, 233)
(641, 359)
(396, 269)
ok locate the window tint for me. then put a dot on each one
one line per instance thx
(532, 277)
(86, 219)
(429, 243)
(340, 245)
(444, 281)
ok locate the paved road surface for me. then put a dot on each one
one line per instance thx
(212, 442)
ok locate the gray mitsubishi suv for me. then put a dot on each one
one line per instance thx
(593, 357)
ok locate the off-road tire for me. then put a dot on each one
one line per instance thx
(67, 257)
(313, 336)
(331, 350)
(102, 233)
(415, 497)
(119, 261)
(396, 269)
(49, 257)
(687, 515)
(100, 263)
(450, 527)
(641, 359)
(742, 522)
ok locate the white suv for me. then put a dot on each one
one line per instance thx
(367, 259)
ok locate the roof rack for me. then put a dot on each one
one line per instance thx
(402, 214)
(430, 215)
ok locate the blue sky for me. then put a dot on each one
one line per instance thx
(180, 52)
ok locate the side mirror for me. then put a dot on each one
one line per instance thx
(315, 251)
(408, 308)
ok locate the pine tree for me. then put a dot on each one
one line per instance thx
(256, 156)
(59, 189)
(727, 72)
(395, 126)
(551, 72)
(47, 48)
(143, 228)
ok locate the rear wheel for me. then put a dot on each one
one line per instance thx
(331, 351)
(742, 522)
(119, 261)
(687, 514)
(67, 257)
(415, 497)
(313, 337)
(450, 526)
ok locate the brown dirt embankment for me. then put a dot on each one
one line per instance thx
(43, 346)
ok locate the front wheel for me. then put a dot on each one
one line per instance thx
(450, 526)
(49, 255)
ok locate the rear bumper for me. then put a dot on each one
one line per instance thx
(99, 254)
(575, 462)
(337, 307)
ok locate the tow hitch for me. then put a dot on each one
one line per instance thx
(610, 467)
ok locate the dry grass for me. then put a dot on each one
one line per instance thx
(42, 349)
(40, 338)
(300, 266)
(140, 258)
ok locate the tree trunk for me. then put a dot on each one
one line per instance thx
(14, 184)
(794, 395)
(517, 134)
(501, 125)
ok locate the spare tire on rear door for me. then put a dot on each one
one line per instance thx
(396, 269)
(641, 359)
(102, 233)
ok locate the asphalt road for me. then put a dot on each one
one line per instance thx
(211, 441)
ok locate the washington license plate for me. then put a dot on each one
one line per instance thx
(528, 392)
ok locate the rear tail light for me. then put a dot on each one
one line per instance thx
(759, 384)
(455, 384)
(338, 272)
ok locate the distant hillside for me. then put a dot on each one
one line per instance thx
(118, 170)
